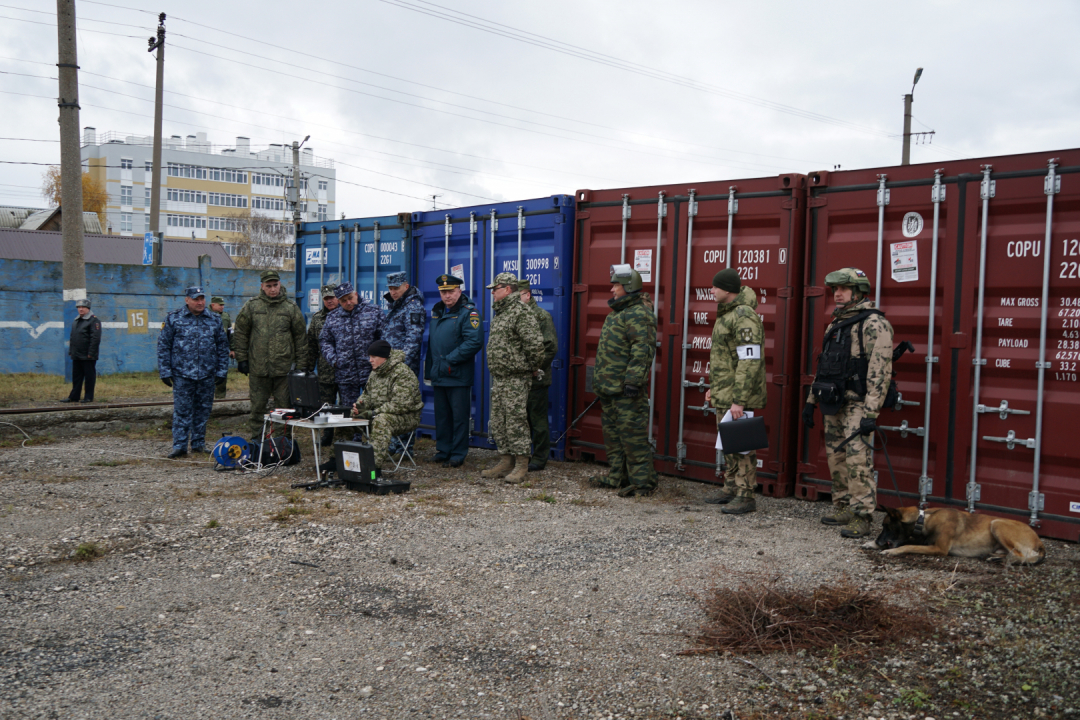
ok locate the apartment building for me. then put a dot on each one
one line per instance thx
(206, 191)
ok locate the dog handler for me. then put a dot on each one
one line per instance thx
(853, 375)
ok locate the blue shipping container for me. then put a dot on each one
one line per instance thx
(362, 251)
(476, 243)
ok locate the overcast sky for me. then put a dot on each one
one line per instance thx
(410, 98)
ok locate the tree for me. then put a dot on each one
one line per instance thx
(264, 243)
(94, 195)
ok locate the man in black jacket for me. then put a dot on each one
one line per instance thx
(83, 349)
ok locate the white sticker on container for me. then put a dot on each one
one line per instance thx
(315, 256)
(905, 261)
(749, 352)
(458, 271)
(352, 461)
(913, 224)
(643, 264)
(313, 299)
(1074, 507)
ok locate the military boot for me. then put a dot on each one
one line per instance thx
(859, 527)
(841, 516)
(723, 498)
(521, 467)
(740, 506)
(506, 464)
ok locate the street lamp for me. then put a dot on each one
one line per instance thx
(906, 157)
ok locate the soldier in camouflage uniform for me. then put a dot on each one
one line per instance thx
(736, 380)
(541, 384)
(268, 342)
(192, 353)
(623, 361)
(515, 351)
(853, 376)
(391, 400)
(217, 305)
(405, 319)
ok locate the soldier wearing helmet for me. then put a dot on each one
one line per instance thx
(623, 360)
(853, 374)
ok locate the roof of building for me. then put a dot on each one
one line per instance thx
(33, 218)
(17, 244)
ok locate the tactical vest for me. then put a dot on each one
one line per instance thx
(838, 371)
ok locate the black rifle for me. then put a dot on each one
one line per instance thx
(568, 427)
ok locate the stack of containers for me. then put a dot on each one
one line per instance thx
(977, 263)
(476, 243)
(678, 237)
(362, 251)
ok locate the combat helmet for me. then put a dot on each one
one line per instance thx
(851, 277)
(626, 276)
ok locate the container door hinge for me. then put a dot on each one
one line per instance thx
(817, 202)
(1011, 440)
(926, 486)
(791, 203)
(785, 292)
(974, 492)
(813, 291)
(1003, 410)
(580, 287)
(903, 428)
(581, 215)
(780, 379)
(1036, 501)
(575, 360)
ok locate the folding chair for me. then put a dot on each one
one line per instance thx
(404, 452)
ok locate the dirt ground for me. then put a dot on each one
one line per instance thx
(133, 586)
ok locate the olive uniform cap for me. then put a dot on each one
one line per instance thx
(217, 300)
(504, 279)
(849, 277)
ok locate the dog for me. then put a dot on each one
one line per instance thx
(947, 531)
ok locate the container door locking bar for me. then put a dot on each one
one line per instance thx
(987, 189)
(691, 212)
(1011, 441)
(661, 213)
(1003, 410)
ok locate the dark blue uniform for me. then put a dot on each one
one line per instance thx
(405, 319)
(344, 341)
(193, 350)
(455, 338)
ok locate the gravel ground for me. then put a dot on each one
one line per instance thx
(228, 595)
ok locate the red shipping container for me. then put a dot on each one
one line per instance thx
(997, 288)
(652, 229)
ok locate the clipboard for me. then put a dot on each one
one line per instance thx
(743, 436)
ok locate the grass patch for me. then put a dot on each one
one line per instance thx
(543, 497)
(211, 524)
(761, 615)
(287, 513)
(88, 551)
(29, 389)
(13, 438)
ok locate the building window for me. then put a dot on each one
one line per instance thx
(223, 175)
(322, 213)
(125, 222)
(187, 171)
(267, 180)
(147, 197)
(225, 224)
(125, 163)
(149, 166)
(322, 184)
(227, 200)
(191, 196)
(125, 198)
(266, 203)
(186, 221)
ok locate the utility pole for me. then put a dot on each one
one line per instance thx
(905, 158)
(157, 43)
(70, 167)
(294, 192)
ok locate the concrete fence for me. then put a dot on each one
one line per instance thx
(131, 301)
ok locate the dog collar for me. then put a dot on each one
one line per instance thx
(919, 522)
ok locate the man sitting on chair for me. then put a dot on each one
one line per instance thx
(391, 400)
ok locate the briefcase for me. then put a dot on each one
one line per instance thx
(743, 435)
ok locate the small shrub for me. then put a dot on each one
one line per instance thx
(544, 497)
(212, 524)
(88, 551)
